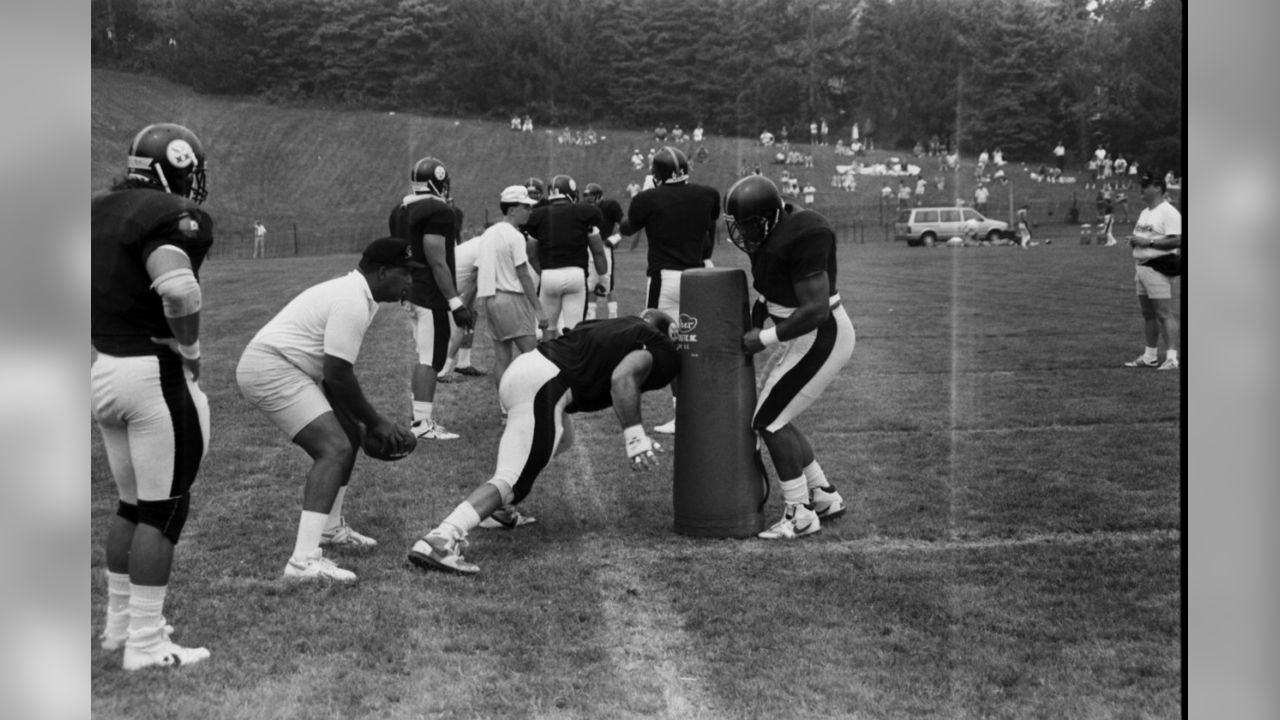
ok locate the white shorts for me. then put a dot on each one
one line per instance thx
(291, 398)
(800, 369)
(593, 277)
(431, 332)
(1152, 283)
(563, 293)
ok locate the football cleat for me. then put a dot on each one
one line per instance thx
(344, 536)
(316, 567)
(1169, 364)
(1142, 362)
(507, 517)
(797, 521)
(441, 552)
(827, 502)
(431, 430)
(471, 370)
(151, 647)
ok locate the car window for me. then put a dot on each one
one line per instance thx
(904, 216)
(927, 216)
(950, 216)
(971, 214)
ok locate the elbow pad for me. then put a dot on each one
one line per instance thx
(179, 291)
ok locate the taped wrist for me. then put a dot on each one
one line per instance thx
(769, 337)
(637, 442)
(179, 291)
(455, 303)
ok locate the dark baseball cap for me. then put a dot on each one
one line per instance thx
(391, 251)
(1153, 179)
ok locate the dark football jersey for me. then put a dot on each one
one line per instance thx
(561, 229)
(419, 215)
(587, 355)
(799, 247)
(611, 211)
(680, 223)
(127, 226)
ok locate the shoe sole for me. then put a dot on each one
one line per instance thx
(799, 534)
(427, 562)
(832, 515)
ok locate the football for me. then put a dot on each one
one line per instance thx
(374, 448)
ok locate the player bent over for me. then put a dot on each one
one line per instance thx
(598, 364)
(793, 267)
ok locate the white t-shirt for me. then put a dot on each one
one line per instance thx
(499, 251)
(326, 319)
(1153, 224)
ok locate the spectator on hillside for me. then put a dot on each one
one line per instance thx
(809, 192)
(997, 157)
(904, 195)
(766, 139)
(259, 239)
(660, 133)
(886, 194)
(637, 160)
(1060, 155)
(701, 156)
(1157, 240)
(528, 124)
(921, 186)
(823, 130)
(1121, 168)
(1024, 226)
(1106, 225)
(677, 135)
(697, 133)
(1122, 205)
(980, 196)
(515, 123)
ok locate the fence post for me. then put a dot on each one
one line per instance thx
(295, 239)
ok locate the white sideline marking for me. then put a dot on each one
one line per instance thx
(905, 545)
(645, 638)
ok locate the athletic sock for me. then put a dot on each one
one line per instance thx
(613, 308)
(334, 518)
(118, 591)
(422, 410)
(463, 519)
(310, 528)
(1151, 354)
(795, 491)
(1171, 355)
(591, 312)
(464, 357)
(146, 608)
(815, 477)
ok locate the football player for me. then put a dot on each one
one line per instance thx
(567, 234)
(427, 220)
(598, 364)
(679, 219)
(611, 212)
(149, 238)
(793, 268)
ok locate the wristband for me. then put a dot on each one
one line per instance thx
(190, 352)
(769, 337)
(637, 442)
(455, 303)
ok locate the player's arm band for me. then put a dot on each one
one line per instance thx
(179, 291)
(455, 302)
(769, 337)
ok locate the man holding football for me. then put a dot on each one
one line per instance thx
(793, 267)
(299, 370)
(596, 365)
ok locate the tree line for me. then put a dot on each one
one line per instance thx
(1017, 74)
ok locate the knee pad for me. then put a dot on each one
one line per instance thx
(128, 511)
(167, 516)
(504, 489)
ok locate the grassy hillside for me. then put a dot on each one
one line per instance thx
(331, 176)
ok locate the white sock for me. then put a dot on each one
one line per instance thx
(464, 357)
(1150, 354)
(117, 592)
(1171, 355)
(613, 308)
(814, 476)
(795, 491)
(310, 528)
(591, 312)
(463, 519)
(422, 410)
(146, 607)
(335, 515)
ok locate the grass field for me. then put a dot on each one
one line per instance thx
(1012, 551)
(1013, 548)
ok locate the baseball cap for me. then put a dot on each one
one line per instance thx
(517, 194)
(391, 251)
(1153, 179)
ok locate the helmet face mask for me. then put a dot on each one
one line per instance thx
(669, 166)
(537, 189)
(752, 208)
(172, 157)
(429, 175)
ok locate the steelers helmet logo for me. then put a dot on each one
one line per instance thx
(180, 154)
(573, 185)
(440, 172)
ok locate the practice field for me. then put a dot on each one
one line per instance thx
(1012, 550)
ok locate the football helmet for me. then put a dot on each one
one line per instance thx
(752, 208)
(170, 156)
(429, 175)
(563, 186)
(537, 189)
(592, 193)
(669, 166)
